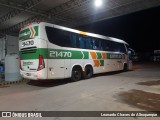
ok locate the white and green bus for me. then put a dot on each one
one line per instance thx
(49, 51)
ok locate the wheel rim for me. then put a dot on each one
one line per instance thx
(76, 74)
(88, 71)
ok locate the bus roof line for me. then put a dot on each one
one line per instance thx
(89, 34)
(78, 32)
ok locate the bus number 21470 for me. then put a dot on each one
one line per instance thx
(60, 54)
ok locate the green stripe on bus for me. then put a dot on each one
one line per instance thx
(102, 62)
(26, 33)
(36, 30)
(99, 55)
(55, 54)
(86, 55)
(31, 56)
(63, 54)
(67, 54)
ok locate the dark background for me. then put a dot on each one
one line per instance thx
(140, 29)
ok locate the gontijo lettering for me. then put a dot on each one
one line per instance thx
(27, 63)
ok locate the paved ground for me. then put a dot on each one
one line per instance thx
(118, 91)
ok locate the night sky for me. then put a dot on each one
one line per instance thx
(140, 29)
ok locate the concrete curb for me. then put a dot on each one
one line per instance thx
(13, 82)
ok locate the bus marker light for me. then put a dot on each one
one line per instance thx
(83, 33)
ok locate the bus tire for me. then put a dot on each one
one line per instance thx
(76, 73)
(125, 68)
(88, 72)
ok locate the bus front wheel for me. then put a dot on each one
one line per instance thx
(76, 74)
(125, 68)
(88, 72)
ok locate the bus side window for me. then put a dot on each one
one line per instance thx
(116, 47)
(108, 46)
(96, 44)
(100, 44)
(65, 40)
(50, 34)
(113, 46)
(81, 42)
(58, 37)
(105, 46)
(122, 48)
(88, 43)
(73, 40)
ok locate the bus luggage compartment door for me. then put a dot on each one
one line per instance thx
(56, 68)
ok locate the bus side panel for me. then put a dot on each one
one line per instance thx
(113, 62)
(67, 71)
(56, 67)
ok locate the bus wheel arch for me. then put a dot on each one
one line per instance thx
(88, 71)
(76, 73)
(125, 67)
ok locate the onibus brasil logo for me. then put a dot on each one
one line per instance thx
(21, 114)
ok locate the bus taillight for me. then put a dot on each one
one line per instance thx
(41, 64)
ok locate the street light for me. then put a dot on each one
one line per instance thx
(98, 3)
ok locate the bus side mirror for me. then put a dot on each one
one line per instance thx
(131, 51)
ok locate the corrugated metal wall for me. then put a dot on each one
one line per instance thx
(10, 44)
(2, 49)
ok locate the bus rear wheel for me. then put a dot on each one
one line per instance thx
(76, 74)
(88, 72)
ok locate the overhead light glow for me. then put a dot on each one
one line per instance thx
(98, 3)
